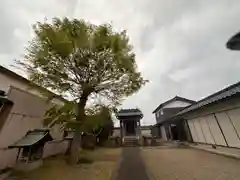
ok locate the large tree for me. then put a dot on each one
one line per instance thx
(83, 61)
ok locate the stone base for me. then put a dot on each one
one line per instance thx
(22, 166)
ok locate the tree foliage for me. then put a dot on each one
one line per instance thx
(78, 58)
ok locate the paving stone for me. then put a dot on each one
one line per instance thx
(132, 166)
(189, 164)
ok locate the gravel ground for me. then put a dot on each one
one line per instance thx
(189, 164)
(104, 162)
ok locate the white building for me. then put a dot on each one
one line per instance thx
(214, 120)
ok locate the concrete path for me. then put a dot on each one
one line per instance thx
(132, 166)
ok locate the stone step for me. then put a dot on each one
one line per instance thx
(130, 141)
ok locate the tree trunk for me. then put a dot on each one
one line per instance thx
(77, 141)
(68, 148)
(75, 147)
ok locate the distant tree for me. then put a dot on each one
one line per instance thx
(106, 129)
(78, 59)
(95, 123)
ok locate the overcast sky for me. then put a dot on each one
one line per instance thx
(179, 45)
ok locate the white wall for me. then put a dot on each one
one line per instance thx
(199, 131)
(193, 131)
(228, 130)
(215, 130)
(173, 104)
(176, 104)
(217, 124)
(206, 131)
(234, 115)
(54, 147)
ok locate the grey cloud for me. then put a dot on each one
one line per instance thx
(190, 43)
(147, 41)
(180, 45)
(17, 18)
(8, 25)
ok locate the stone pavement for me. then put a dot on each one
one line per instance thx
(171, 163)
(131, 166)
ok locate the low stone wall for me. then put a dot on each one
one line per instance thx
(55, 147)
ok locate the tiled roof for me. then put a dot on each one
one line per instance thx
(225, 93)
(32, 137)
(128, 110)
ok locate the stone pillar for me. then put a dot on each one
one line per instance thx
(140, 141)
(123, 129)
(121, 132)
(170, 132)
(138, 128)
